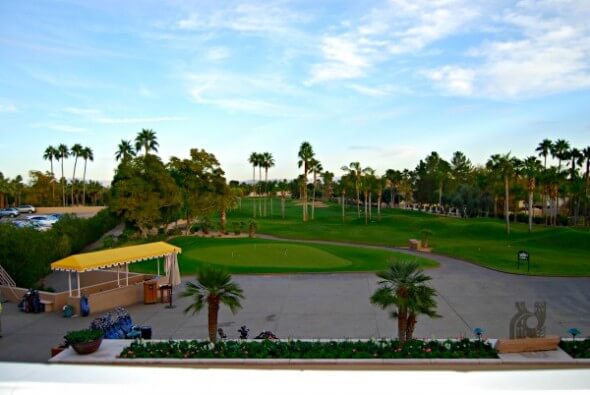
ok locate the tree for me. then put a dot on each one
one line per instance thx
(305, 155)
(267, 161)
(254, 161)
(214, 287)
(142, 191)
(561, 152)
(50, 154)
(327, 185)
(544, 148)
(381, 184)
(146, 140)
(355, 172)
(283, 186)
(63, 153)
(530, 168)
(367, 183)
(87, 155)
(393, 178)
(404, 285)
(586, 158)
(460, 169)
(125, 151)
(504, 166)
(315, 168)
(76, 152)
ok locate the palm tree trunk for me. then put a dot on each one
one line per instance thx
(410, 326)
(391, 197)
(213, 314)
(530, 211)
(63, 184)
(440, 188)
(254, 189)
(402, 325)
(223, 220)
(358, 201)
(507, 204)
(366, 210)
(313, 198)
(74, 177)
(84, 184)
(283, 206)
(342, 206)
(379, 207)
(52, 185)
(259, 199)
(265, 189)
(370, 206)
(495, 206)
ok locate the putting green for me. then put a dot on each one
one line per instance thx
(269, 256)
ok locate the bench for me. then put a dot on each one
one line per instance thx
(47, 305)
(415, 244)
(511, 346)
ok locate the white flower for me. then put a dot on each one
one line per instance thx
(211, 346)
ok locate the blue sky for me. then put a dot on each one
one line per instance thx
(380, 82)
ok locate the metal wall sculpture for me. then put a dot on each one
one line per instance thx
(519, 325)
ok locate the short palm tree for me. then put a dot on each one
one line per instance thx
(214, 287)
(125, 151)
(76, 152)
(267, 161)
(254, 160)
(146, 140)
(306, 156)
(404, 285)
(315, 168)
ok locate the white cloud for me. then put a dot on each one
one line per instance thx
(108, 120)
(81, 111)
(548, 52)
(217, 53)
(379, 91)
(7, 107)
(60, 128)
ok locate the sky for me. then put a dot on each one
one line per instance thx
(379, 82)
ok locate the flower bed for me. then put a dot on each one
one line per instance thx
(266, 349)
(576, 349)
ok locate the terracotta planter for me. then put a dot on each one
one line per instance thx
(57, 350)
(88, 347)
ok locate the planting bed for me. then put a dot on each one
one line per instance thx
(577, 349)
(266, 349)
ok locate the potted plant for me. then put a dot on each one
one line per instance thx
(85, 341)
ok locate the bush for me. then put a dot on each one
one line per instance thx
(27, 254)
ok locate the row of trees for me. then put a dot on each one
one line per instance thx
(149, 193)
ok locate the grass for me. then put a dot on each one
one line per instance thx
(248, 256)
(553, 251)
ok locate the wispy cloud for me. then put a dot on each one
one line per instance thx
(6, 106)
(60, 128)
(548, 52)
(108, 120)
(81, 111)
(375, 91)
(217, 54)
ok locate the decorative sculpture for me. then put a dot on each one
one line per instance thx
(519, 328)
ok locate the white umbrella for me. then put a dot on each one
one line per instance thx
(173, 274)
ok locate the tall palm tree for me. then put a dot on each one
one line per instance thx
(404, 285)
(76, 152)
(367, 184)
(267, 162)
(63, 153)
(50, 154)
(531, 168)
(586, 158)
(504, 166)
(305, 155)
(254, 159)
(544, 148)
(146, 140)
(214, 287)
(561, 152)
(87, 155)
(315, 168)
(125, 151)
(355, 171)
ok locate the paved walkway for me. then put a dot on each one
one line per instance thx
(334, 306)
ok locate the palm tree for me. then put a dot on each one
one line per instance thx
(316, 168)
(381, 184)
(393, 178)
(544, 148)
(63, 153)
(87, 155)
(586, 158)
(50, 154)
(530, 168)
(125, 151)
(254, 159)
(561, 152)
(404, 285)
(283, 185)
(214, 286)
(76, 152)
(146, 140)
(305, 155)
(355, 171)
(504, 166)
(328, 185)
(267, 162)
(367, 183)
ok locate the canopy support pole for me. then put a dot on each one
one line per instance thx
(79, 295)
(70, 282)
(118, 281)
(127, 274)
(158, 264)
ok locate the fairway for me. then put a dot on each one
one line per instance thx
(554, 251)
(266, 256)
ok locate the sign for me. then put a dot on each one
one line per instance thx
(519, 325)
(523, 256)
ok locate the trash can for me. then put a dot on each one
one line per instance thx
(150, 292)
(166, 291)
(146, 332)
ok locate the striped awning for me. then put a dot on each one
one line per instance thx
(114, 257)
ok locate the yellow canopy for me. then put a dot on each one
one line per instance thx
(114, 257)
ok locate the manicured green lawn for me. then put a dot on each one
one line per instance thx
(554, 251)
(266, 256)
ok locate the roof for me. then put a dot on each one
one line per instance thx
(114, 257)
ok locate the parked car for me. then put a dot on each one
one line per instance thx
(9, 212)
(43, 220)
(19, 223)
(26, 209)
